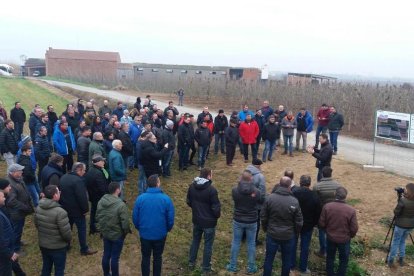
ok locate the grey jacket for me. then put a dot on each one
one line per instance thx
(325, 190)
(281, 215)
(19, 203)
(52, 224)
(288, 126)
(259, 182)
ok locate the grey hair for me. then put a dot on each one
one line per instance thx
(95, 135)
(341, 193)
(77, 166)
(116, 142)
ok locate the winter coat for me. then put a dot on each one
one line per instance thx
(267, 111)
(33, 121)
(51, 175)
(243, 114)
(220, 124)
(8, 141)
(339, 221)
(305, 121)
(112, 217)
(103, 110)
(404, 213)
(119, 112)
(201, 116)
(42, 148)
(271, 132)
(150, 157)
(259, 182)
(336, 122)
(83, 149)
(288, 126)
(185, 135)
(116, 166)
(18, 115)
(231, 135)
(323, 113)
(59, 141)
(246, 197)
(174, 110)
(7, 237)
(95, 147)
(248, 132)
(18, 200)
(260, 120)
(281, 215)
(325, 189)
(96, 183)
(73, 195)
(3, 113)
(153, 214)
(203, 199)
(323, 155)
(310, 206)
(167, 136)
(202, 136)
(40, 124)
(127, 147)
(52, 224)
(52, 120)
(134, 132)
(29, 174)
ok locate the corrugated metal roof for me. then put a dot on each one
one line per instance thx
(35, 62)
(82, 54)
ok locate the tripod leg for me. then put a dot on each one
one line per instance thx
(411, 237)
(389, 229)
(389, 245)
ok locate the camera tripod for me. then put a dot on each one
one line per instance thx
(391, 229)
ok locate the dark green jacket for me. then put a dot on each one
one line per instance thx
(96, 148)
(404, 213)
(112, 217)
(52, 224)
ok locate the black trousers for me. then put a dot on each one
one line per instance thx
(230, 152)
(67, 163)
(42, 163)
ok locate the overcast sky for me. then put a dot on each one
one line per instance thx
(371, 38)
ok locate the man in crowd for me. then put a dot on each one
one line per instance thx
(249, 130)
(126, 118)
(260, 120)
(82, 146)
(74, 200)
(151, 155)
(113, 223)
(153, 217)
(242, 115)
(203, 114)
(29, 174)
(18, 116)
(202, 197)
(246, 197)
(281, 219)
(64, 144)
(185, 139)
(172, 108)
(323, 120)
(116, 163)
(311, 208)
(220, 125)
(167, 137)
(42, 149)
(325, 190)
(97, 180)
(288, 129)
(271, 133)
(104, 109)
(323, 155)
(52, 172)
(96, 147)
(304, 122)
(203, 137)
(135, 130)
(266, 110)
(336, 122)
(119, 110)
(232, 137)
(54, 232)
(9, 143)
(51, 114)
(44, 121)
(340, 223)
(34, 120)
(180, 94)
(127, 148)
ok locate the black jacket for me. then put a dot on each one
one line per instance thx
(33, 122)
(202, 136)
(83, 149)
(127, 147)
(42, 148)
(96, 183)
(73, 197)
(336, 122)
(201, 116)
(8, 141)
(150, 157)
(50, 175)
(310, 206)
(203, 199)
(52, 118)
(167, 136)
(220, 124)
(231, 135)
(18, 115)
(271, 132)
(29, 175)
(246, 197)
(323, 155)
(18, 202)
(185, 134)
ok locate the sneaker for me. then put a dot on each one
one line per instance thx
(89, 252)
(307, 272)
(231, 268)
(252, 270)
(269, 159)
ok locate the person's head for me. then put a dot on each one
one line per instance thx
(5, 186)
(2, 198)
(80, 101)
(52, 192)
(203, 124)
(305, 181)
(117, 125)
(169, 124)
(259, 112)
(97, 120)
(289, 173)
(324, 106)
(206, 173)
(332, 109)
(257, 162)
(143, 111)
(147, 126)
(303, 111)
(152, 138)
(89, 105)
(171, 104)
(107, 116)
(119, 105)
(50, 108)
(62, 118)
(9, 124)
(114, 188)
(233, 122)
(341, 193)
(326, 171)
(17, 105)
(15, 171)
(187, 120)
(153, 181)
(290, 115)
(245, 108)
(56, 159)
(97, 136)
(38, 111)
(285, 182)
(44, 117)
(98, 160)
(86, 131)
(266, 103)
(138, 119)
(323, 138)
(281, 108)
(125, 127)
(248, 117)
(79, 168)
(144, 135)
(205, 109)
(117, 144)
(126, 113)
(26, 150)
(409, 191)
(71, 112)
(272, 119)
(82, 124)
(246, 176)
(154, 116)
(105, 102)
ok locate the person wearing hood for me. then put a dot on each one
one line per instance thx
(54, 232)
(167, 137)
(288, 129)
(202, 198)
(304, 123)
(246, 197)
(259, 182)
(137, 103)
(112, 218)
(203, 137)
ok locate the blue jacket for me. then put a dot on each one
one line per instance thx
(153, 214)
(116, 166)
(6, 237)
(308, 120)
(59, 141)
(242, 114)
(134, 132)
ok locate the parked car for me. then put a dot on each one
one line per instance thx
(36, 74)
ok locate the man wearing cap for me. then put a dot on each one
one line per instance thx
(9, 142)
(97, 181)
(96, 146)
(220, 124)
(18, 203)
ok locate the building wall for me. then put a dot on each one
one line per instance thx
(251, 74)
(300, 81)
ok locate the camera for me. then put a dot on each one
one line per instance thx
(399, 190)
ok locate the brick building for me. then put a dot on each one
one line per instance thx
(299, 79)
(91, 66)
(244, 74)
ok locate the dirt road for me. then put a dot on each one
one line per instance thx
(395, 159)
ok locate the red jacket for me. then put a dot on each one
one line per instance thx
(249, 132)
(324, 114)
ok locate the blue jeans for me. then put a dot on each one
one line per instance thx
(142, 180)
(156, 247)
(166, 162)
(238, 230)
(183, 156)
(288, 139)
(18, 128)
(34, 191)
(202, 154)
(398, 242)
(272, 246)
(319, 130)
(268, 150)
(56, 257)
(333, 136)
(344, 250)
(81, 225)
(111, 254)
(219, 139)
(305, 239)
(209, 234)
(18, 226)
(322, 240)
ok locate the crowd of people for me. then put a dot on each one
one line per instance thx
(44, 179)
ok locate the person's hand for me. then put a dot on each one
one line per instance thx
(42, 195)
(310, 149)
(166, 146)
(14, 257)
